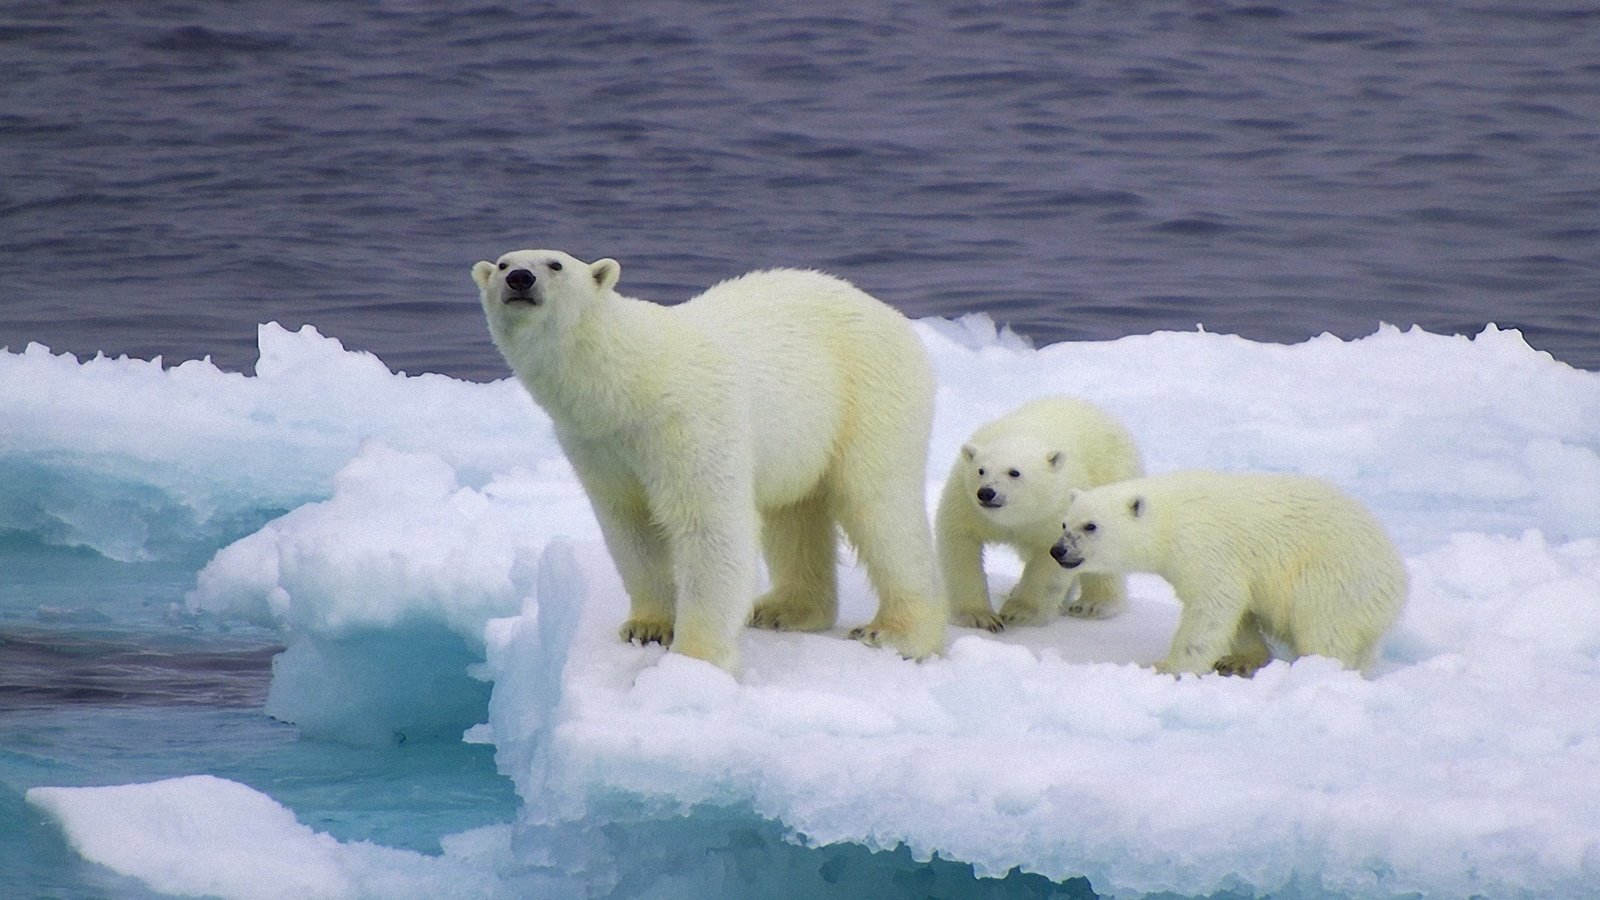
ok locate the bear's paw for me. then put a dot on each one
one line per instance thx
(984, 619)
(1094, 609)
(646, 631)
(1022, 610)
(782, 610)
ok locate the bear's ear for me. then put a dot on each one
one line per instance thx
(606, 273)
(1055, 459)
(1136, 507)
(970, 452)
(1073, 495)
(482, 270)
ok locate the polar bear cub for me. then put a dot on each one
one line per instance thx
(767, 409)
(1248, 554)
(1010, 484)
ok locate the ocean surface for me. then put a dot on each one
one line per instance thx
(173, 174)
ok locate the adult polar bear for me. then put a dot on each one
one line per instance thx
(774, 404)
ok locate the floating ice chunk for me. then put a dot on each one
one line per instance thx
(202, 835)
(383, 591)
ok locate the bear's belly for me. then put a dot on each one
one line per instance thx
(791, 456)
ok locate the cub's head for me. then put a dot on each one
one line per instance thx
(1107, 530)
(524, 286)
(1013, 482)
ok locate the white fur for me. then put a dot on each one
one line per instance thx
(770, 407)
(1031, 459)
(1247, 553)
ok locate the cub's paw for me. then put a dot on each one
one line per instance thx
(1242, 666)
(646, 631)
(1023, 613)
(1095, 609)
(984, 619)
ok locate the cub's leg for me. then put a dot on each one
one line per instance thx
(1099, 596)
(1206, 629)
(1037, 598)
(1249, 651)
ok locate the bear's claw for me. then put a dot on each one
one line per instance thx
(1238, 665)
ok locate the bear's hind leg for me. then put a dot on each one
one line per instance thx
(891, 536)
(802, 553)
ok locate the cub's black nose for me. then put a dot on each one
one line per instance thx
(519, 279)
(1058, 552)
(985, 494)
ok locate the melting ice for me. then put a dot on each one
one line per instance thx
(435, 573)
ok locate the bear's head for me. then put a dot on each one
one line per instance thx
(1107, 530)
(542, 288)
(1015, 482)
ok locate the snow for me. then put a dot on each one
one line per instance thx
(434, 569)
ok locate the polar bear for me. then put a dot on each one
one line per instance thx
(1248, 554)
(768, 408)
(1009, 485)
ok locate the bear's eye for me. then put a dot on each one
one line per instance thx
(982, 472)
(555, 266)
(1014, 473)
(502, 267)
(1090, 527)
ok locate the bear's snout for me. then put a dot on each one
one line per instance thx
(519, 279)
(986, 497)
(1064, 556)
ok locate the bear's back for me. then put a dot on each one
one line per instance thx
(813, 356)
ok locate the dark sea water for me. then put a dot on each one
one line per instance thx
(173, 173)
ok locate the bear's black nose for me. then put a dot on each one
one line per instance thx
(985, 494)
(1058, 552)
(519, 279)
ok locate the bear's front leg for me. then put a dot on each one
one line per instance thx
(1037, 597)
(640, 553)
(704, 500)
(1099, 596)
(1206, 629)
(1249, 651)
(716, 571)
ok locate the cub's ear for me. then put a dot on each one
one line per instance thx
(1136, 507)
(1055, 459)
(606, 273)
(969, 452)
(1073, 495)
(482, 271)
